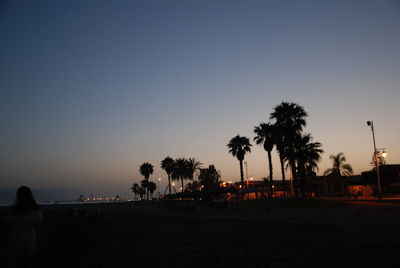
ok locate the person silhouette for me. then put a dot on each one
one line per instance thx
(24, 219)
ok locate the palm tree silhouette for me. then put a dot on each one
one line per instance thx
(307, 154)
(135, 189)
(265, 137)
(142, 192)
(290, 119)
(146, 169)
(151, 186)
(144, 185)
(209, 179)
(279, 142)
(180, 170)
(168, 164)
(339, 166)
(192, 166)
(238, 146)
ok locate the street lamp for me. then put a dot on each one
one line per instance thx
(376, 160)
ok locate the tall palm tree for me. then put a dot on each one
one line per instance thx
(279, 142)
(192, 165)
(290, 118)
(238, 146)
(142, 192)
(151, 188)
(180, 170)
(168, 165)
(146, 169)
(144, 185)
(307, 154)
(265, 137)
(135, 189)
(339, 166)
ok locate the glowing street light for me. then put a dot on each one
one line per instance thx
(251, 179)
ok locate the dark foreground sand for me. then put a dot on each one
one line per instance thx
(253, 234)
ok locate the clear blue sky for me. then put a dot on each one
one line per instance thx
(92, 89)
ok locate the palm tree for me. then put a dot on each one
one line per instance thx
(180, 170)
(290, 116)
(290, 119)
(339, 166)
(135, 189)
(279, 142)
(151, 187)
(144, 185)
(307, 154)
(192, 166)
(209, 179)
(238, 147)
(146, 169)
(141, 192)
(265, 137)
(168, 165)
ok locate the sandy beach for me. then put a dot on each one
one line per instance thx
(251, 234)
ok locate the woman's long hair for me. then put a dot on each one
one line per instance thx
(24, 201)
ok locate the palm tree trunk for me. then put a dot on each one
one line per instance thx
(182, 184)
(295, 181)
(283, 174)
(241, 173)
(241, 177)
(270, 173)
(169, 183)
(301, 174)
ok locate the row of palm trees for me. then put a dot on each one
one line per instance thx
(284, 131)
(146, 187)
(179, 169)
(296, 149)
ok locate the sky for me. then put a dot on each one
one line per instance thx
(90, 90)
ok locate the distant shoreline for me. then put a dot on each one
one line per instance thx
(65, 203)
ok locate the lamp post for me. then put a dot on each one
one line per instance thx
(376, 160)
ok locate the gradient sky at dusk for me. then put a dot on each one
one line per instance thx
(92, 89)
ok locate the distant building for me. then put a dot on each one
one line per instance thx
(363, 185)
(390, 178)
